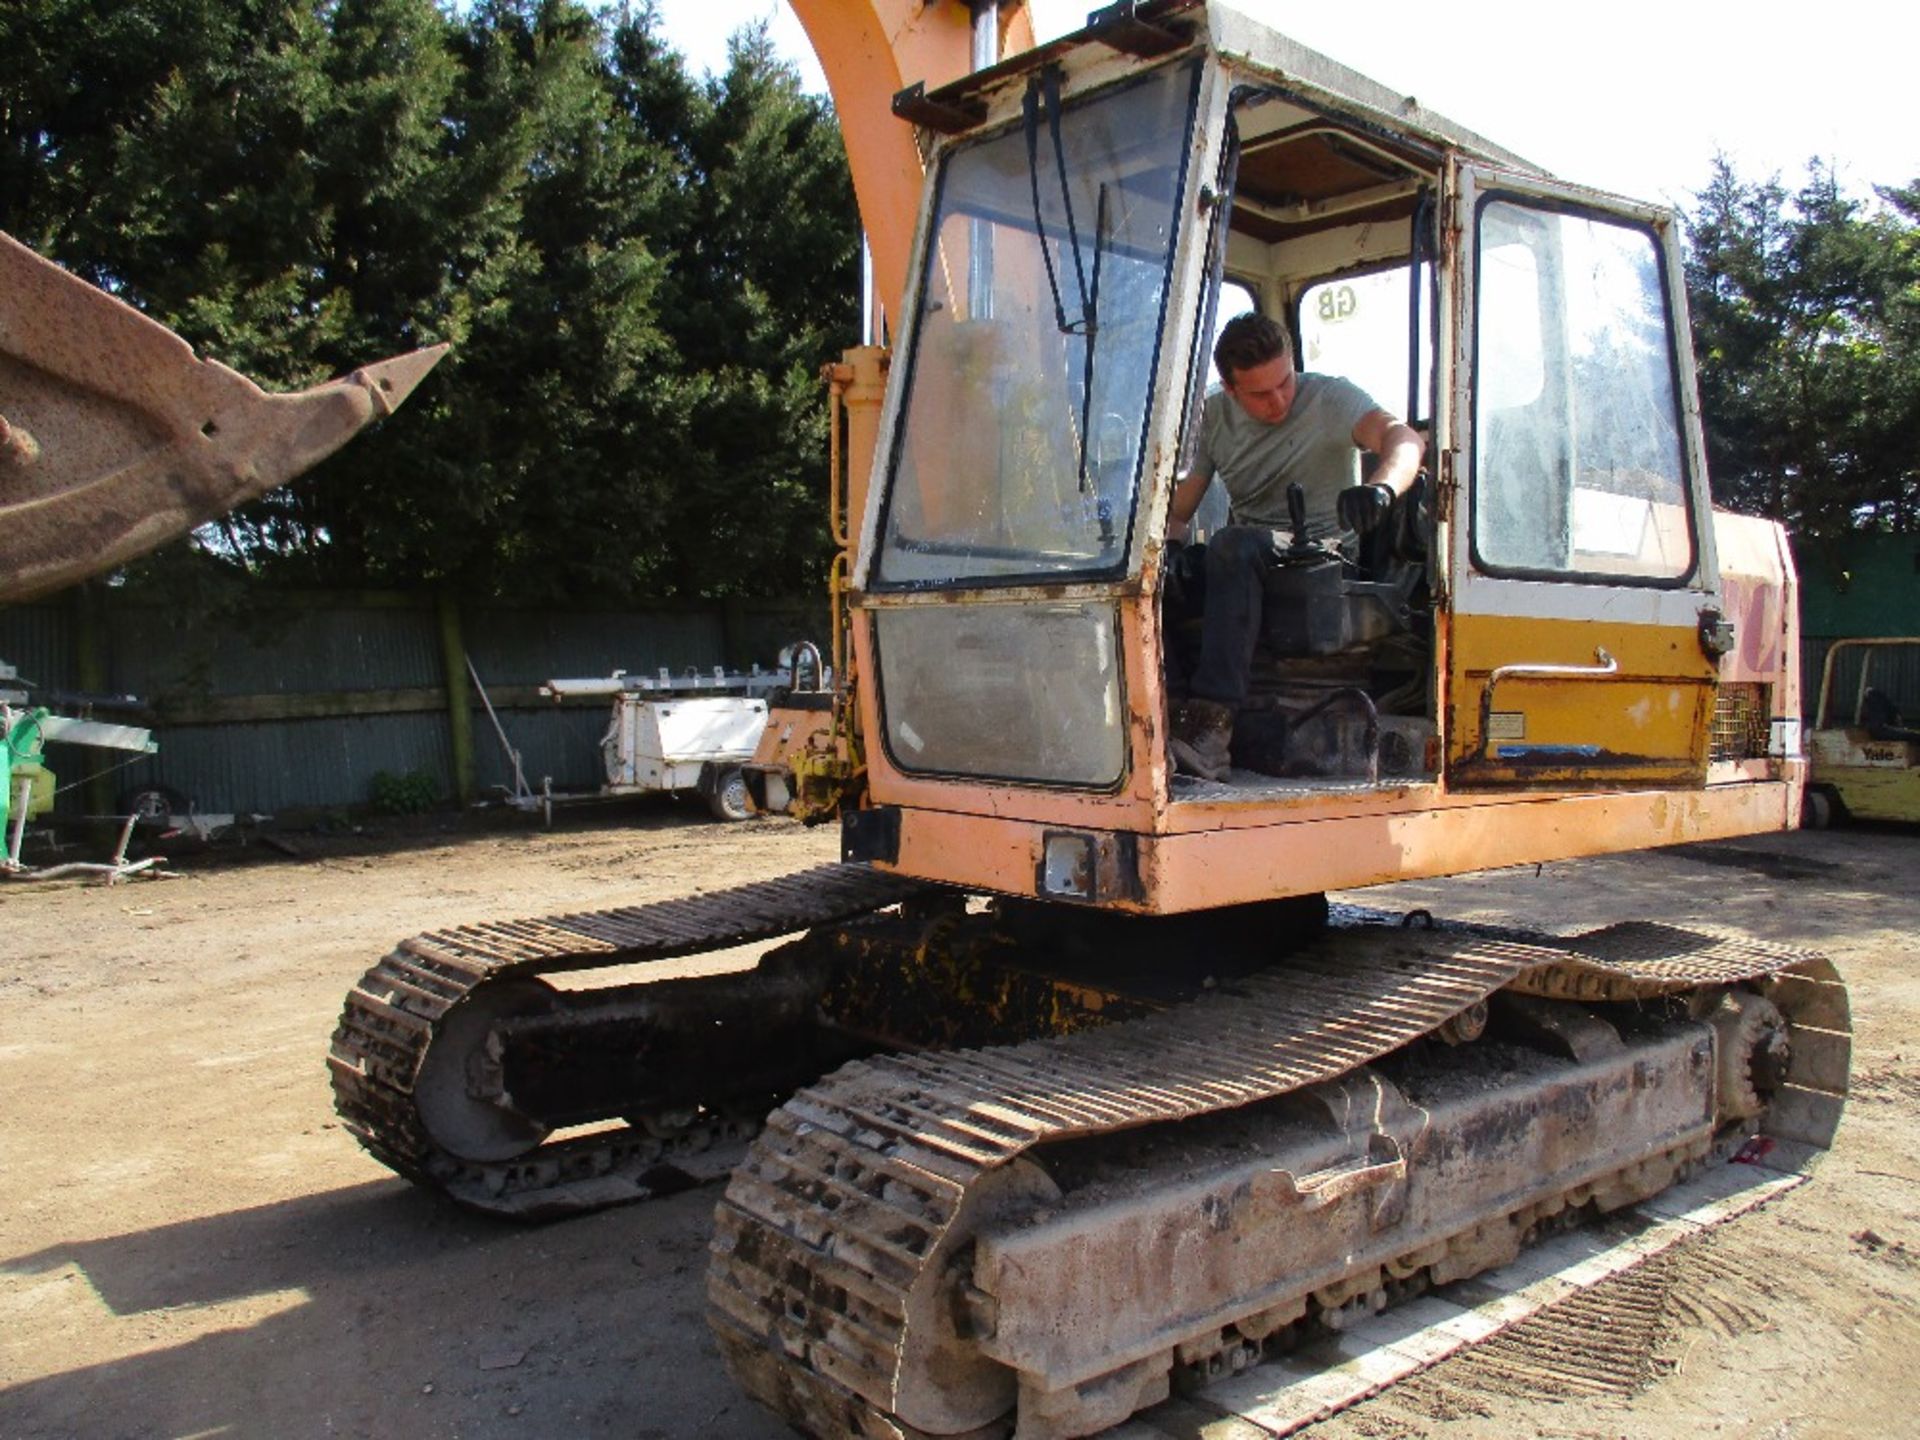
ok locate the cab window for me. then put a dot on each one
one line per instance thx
(1578, 466)
(1358, 326)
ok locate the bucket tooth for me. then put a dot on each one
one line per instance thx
(115, 438)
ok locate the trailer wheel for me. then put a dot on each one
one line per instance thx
(725, 789)
(159, 805)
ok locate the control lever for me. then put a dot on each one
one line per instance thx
(1297, 516)
(1301, 550)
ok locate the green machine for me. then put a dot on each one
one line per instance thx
(28, 785)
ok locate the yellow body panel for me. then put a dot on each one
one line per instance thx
(1645, 722)
(1874, 794)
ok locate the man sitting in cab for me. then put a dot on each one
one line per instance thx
(1267, 428)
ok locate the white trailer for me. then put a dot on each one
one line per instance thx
(687, 733)
(693, 743)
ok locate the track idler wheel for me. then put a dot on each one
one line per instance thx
(1752, 1055)
(947, 1387)
(459, 1091)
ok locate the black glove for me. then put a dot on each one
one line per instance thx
(1362, 507)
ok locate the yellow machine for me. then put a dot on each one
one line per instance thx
(1077, 1087)
(1864, 749)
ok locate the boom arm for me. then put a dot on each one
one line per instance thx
(870, 50)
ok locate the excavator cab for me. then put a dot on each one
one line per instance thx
(1546, 616)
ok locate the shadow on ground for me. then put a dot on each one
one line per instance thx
(377, 1310)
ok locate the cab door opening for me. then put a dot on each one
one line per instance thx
(1327, 230)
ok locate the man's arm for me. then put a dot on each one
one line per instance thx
(1400, 448)
(1398, 445)
(1187, 496)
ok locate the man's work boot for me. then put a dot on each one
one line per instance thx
(1202, 738)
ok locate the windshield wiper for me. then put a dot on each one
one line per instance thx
(1046, 87)
(1092, 333)
(1043, 92)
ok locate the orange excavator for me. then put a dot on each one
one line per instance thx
(1067, 1085)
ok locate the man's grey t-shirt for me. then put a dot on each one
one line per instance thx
(1313, 445)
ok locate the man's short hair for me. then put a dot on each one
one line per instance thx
(1246, 341)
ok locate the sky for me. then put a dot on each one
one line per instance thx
(1635, 96)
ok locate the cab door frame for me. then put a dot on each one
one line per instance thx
(1557, 677)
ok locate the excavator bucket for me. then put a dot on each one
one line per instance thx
(116, 438)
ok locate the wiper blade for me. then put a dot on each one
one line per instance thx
(1092, 311)
(1044, 88)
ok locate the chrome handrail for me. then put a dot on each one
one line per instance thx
(1605, 667)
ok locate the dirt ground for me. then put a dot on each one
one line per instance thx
(190, 1245)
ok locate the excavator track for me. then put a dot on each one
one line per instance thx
(871, 1255)
(400, 1007)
